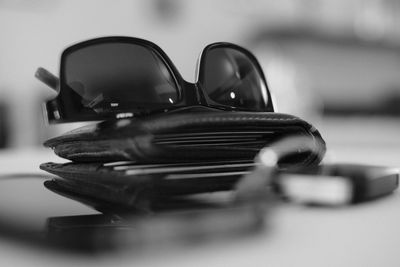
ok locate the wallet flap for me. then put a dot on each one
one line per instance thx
(184, 136)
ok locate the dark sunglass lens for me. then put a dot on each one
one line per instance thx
(113, 77)
(231, 78)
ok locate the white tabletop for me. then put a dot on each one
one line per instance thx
(367, 234)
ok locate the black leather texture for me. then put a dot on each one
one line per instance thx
(186, 136)
(163, 180)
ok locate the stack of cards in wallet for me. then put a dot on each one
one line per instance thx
(189, 170)
(163, 179)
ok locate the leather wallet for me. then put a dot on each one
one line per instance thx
(186, 136)
(145, 163)
(162, 180)
(109, 200)
(129, 187)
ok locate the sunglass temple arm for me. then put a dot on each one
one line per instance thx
(48, 78)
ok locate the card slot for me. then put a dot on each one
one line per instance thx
(213, 133)
(239, 143)
(227, 135)
(184, 164)
(230, 169)
(118, 163)
(183, 169)
(205, 139)
(208, 141)
(205, 175)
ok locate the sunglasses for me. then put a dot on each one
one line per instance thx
(121, 77)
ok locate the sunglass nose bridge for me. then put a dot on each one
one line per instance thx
(194, 95)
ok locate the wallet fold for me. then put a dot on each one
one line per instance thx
(177, 137)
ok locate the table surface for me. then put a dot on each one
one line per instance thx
(367, 234)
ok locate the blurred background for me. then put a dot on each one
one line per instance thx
(334, 63)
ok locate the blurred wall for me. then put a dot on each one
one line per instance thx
(34, 33)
